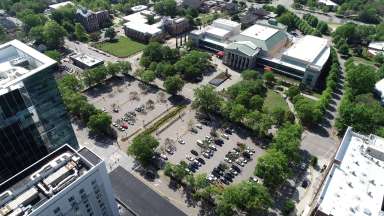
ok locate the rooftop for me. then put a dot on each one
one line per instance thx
(19, 61)
(138, 8)
(259, 32)
(87, 60)
(138, 22)
(40, 182)
(355, 185)
(328, 3)
(217, 31)
(307, 49)
(145, 201)
(226, 22)
(62, 4)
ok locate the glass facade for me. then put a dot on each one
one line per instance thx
(33, 122)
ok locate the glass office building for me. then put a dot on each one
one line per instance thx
(33, 119)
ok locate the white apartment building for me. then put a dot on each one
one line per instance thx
(64, 183)
(354, 185)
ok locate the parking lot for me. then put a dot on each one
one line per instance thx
(130, 105)
(177, 141)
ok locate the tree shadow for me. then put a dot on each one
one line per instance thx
(317, 129)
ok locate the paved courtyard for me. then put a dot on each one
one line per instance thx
(124, 94)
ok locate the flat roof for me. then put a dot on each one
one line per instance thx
(259, 32)
(139, 8)
(377, 45)
(138, 22)
(19, 61)
(354, 185)
(307, 49)
(217, 31)
(139, 197)
(226, 22)
(58, 5)
(328, 2)
(42, 181)
(143, 28)
(86, 59)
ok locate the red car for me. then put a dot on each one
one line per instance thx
(125, 126)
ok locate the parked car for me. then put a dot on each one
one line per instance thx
(201, 160)
(225, 136)
(181, 141)
(236, 168)
(163, 156)
(253, 179)
(190, 158)
(212, 147)
(199, 126)
(206, 155)
(219, 142)
(194, 152)
(193, 130)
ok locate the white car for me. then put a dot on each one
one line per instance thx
(212, 147)
(227, 160)
(181, 141)
(225, 136)
(163, 156)
(115, 124)
(190, 158)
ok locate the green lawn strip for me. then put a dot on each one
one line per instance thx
(163, 120)
(273, 100)
(122, 47)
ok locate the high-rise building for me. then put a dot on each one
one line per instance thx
(66, 182)
(33, 119)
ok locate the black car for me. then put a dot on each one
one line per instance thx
(228, 131)
(246, 155)
(201, 160)
(219, 142)
(228, 178)
(236, 168)
(194, 152)
(192, 168)
(224, 180)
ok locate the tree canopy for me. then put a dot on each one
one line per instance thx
(143, 148)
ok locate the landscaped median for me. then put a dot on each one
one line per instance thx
(122, 47)
(158, 123)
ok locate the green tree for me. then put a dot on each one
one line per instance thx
(248, 197)
(143, 148)
(70, 82)
(273, 168)
(164, 70)
(53, 35)
(269, 77)
(166, 7)
(110, 33)
(293, 91)
(37, 34)
(361, 79)
(147, 76)
(113, 68)
(287, 140)
(53, 54)
(250, 74)
(256, 102)
(100, 123)
(288, 207)
(173, 84)
(379, 58)
(307, 111)
(206, 99)
(80, 33)
(125, 67)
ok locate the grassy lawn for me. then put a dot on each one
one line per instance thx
(122, 47)
(273, 100)
(359, 60)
